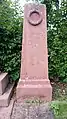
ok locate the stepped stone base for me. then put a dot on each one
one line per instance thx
(3, 82)
(5, 98)
(37, 88)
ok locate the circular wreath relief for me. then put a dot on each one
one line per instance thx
(32, 21)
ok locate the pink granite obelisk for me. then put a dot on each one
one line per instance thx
(34, 80)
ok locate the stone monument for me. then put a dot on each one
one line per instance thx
(34, 80)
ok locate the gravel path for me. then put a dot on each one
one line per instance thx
(31, 111)
(5, 112)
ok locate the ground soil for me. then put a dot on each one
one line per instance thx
(59, 90)
(36, 109)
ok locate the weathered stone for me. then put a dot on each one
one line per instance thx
(5, 98)
(3, 82)
(34, 63)
(5, 112)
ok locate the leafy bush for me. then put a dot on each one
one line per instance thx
(11, 33)
(57, 38)
(57, 43)
(10, 39)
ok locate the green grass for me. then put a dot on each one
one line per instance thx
(60, 109)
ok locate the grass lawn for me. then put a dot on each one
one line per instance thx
(60, 109)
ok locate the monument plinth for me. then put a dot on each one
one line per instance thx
(34, 60)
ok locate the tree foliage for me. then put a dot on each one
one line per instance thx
(10, 38)
(57, 39)
(11, 33)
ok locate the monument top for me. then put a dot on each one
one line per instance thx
(35, 4)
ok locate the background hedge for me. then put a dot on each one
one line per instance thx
(11, 35)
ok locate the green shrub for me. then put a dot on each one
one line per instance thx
(57, 43)
(10, 39)
(11, 35)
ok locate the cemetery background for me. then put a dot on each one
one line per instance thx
(10, 42)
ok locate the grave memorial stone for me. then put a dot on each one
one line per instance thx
(34, 80)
